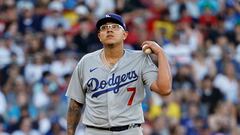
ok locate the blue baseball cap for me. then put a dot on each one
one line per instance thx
(111, 17)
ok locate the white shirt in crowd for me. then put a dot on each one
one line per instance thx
(227, 86)
(3, 102)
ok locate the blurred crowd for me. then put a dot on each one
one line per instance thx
(41, 42)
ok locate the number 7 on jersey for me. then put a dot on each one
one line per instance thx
(133, 91)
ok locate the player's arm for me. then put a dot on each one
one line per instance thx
(163, 84)
(73, 116)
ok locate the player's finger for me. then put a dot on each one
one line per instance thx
(145, 46)
(145, 43)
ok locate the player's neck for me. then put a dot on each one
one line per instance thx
(111, 56)
(113, 52)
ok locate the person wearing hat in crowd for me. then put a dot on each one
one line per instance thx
(110, 83)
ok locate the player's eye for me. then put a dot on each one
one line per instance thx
(115, 26)
(103, 27)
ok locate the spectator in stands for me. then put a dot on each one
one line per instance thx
(25, 127)
(210, 95)
(54, 18)
(86, 38)
(202, 65)
(182, 56)
(34, 69)
(228, 83)
(28, 21)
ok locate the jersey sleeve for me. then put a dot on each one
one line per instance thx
(75, 89)
(149, 71)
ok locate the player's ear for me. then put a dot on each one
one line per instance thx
(125, 34)
(99, 36)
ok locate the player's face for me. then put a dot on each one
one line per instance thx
(112, 33)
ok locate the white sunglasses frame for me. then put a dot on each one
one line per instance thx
(110, 26)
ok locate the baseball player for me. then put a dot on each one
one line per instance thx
(110, 83)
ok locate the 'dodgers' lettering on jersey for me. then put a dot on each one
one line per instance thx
(114, 83)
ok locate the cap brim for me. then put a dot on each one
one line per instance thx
(106, 20)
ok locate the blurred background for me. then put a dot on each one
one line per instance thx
(41, 42)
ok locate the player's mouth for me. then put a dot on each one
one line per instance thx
(110, 36)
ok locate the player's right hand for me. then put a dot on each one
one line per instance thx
(155, 48)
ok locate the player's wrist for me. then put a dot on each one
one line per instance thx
(159, 52)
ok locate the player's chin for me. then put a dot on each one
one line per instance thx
(110, 42)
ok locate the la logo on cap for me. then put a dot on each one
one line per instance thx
(108, 16)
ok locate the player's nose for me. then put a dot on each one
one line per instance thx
(109, 30)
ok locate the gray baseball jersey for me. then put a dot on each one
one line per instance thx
(112, 97)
